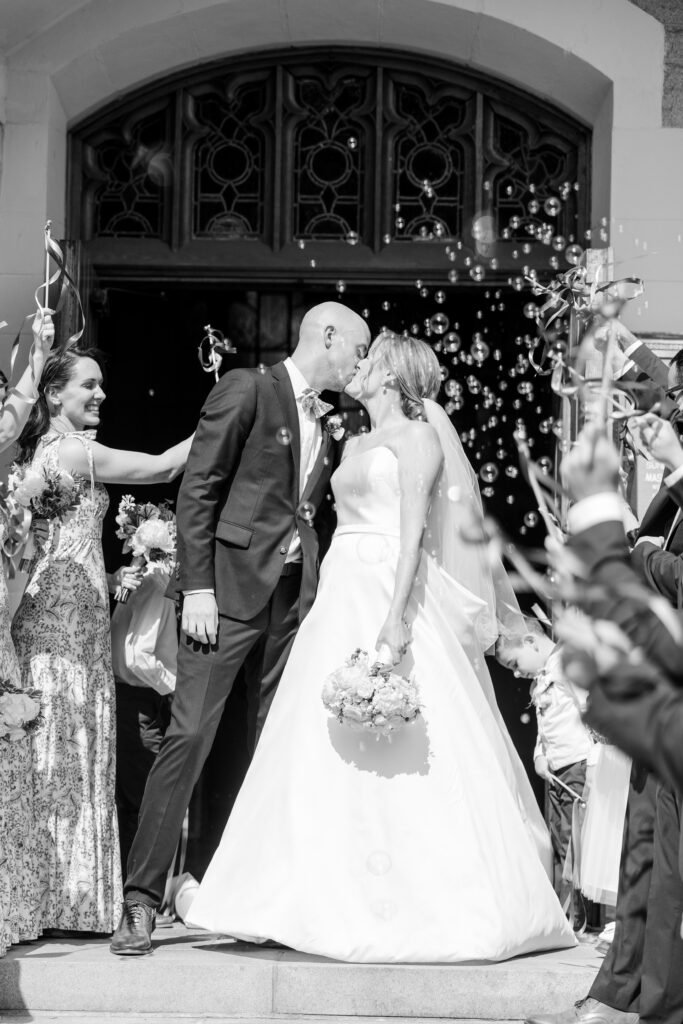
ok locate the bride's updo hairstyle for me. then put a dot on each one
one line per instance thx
(416, 368)
(59, 368)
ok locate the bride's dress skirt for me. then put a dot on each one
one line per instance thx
(426, 847)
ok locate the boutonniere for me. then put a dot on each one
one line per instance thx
(334, 425)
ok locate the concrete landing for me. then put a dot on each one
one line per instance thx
(197, 976)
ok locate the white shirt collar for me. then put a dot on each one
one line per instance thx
(299, 382)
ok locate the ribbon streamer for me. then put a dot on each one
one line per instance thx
(213, 346)
(53, 252)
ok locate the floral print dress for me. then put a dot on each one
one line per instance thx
(61, 635)
(19, 899)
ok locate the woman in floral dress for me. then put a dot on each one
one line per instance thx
(61, 634)
(19, 918)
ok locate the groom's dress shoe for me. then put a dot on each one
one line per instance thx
(586, 1011)
(133, 937)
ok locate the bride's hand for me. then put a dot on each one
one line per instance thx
(395, 635)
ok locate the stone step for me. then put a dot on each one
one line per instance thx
(200, 976)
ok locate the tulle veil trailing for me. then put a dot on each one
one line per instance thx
(456, 508)
(455, 512)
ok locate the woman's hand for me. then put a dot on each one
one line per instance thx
(128, 576)
(660, 439)
(40, 529)
(394, 635)
(43, 334)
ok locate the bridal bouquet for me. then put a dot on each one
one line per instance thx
(20, 711)
(149, 532)
(370, 697)
(47, 494)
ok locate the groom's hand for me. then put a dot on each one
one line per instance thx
(200, 618)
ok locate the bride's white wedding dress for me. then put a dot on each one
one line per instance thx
(419, 848)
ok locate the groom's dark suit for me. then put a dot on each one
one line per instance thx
(238, 509)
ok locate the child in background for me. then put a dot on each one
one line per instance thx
(565, 746)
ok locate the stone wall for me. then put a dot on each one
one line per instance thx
(670, 14)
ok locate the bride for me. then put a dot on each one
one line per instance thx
(429, 846)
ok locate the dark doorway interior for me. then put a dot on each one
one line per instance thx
(156, 388)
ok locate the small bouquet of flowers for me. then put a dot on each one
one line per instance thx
(20, 711)
(370, 696)
(149, 532)
(47, 494)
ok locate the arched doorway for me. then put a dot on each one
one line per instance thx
(244, 191)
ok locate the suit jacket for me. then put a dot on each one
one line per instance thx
(637, 708)
(616, 592)
(662, 569)
(239, 504)
(648, 367)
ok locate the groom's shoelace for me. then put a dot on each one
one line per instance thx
(136, 913)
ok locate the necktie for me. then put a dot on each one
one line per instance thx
(311, 403)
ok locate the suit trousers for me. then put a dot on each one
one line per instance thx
(618, 981)
(205, 678)
(142, 717)
(643, 972)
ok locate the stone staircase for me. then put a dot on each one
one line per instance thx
(194, 977)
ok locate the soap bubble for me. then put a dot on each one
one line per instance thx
(573, 254)
(559, 243)
(533, 206)
(473, 385)
(379, 862)
(353, 238)
(301, 243)
(511, 471)
(453, 389)
(545, 465)
(552, 206)
(518, 283)
(530, 310)
(400, 223)
(452, 342)
(439, 323)
(341, 287)
(307, 511)
(386, 305)
(477, 272)
(440, 297)
(452, 276)
(489, 472)
(488, 492)
(352, 142)
(531, 519)
(283, 436)
(479, 350)
(261, 368)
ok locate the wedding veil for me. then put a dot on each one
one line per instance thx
(456, 508)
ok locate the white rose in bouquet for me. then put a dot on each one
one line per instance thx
(27, 485)
(16, 711)
(153, 535)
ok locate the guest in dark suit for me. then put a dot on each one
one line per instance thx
(643, 972)
(248, 554)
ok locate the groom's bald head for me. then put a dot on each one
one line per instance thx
(332, 340)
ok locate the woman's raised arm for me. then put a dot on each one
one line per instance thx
(114, 466)
(22, 397)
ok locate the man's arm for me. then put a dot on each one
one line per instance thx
(639, 711)
(223, 428)
(613, 591)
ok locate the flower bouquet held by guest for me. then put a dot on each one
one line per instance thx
(149, 532)
(48, 494)
(425, 845)
(19, 900)
(61, 634)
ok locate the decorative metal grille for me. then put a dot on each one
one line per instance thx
(432, 154)
(530, 168)
(228, 159)
(328, 147)
(127, 172)
(329, 154)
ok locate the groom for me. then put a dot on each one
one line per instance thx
(248, 569)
